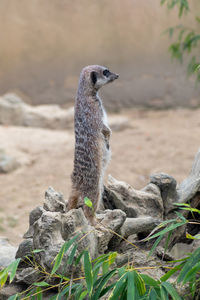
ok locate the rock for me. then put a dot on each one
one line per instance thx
(35, 214)
(110, 222)
(13, 111)
(24, 248)
(54, 228)
(119, 123)
(10, 290)
(133, 202)
(191, 185)
(28, 276)
(7, 163)
(7, 253)
(139, 259)
(137, 225)
(167, 186)
(54, 201)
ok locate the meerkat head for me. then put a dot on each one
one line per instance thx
(98, 76)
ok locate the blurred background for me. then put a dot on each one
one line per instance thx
(45, 44)
(154, 107)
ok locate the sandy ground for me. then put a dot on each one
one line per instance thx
(156, 141)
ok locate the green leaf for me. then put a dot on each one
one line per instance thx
(171, 290)
(3, 277)
(105, 290)
(42, 283)
(105, 267)
(102, 283)
(72, 254)
(79, 258)
(63, 250)
(155, 245)
(14, 297)
(190, 263)
(12, 268)
(192, 273)
(88, 202)
(149, 280)
(119, 287)
(167, 229)
(37, 250)
(131, 285)
(39, 293)
(83, 294)
(140, 284)
(171, 272)
(88, 272)
(112, 257)
(163, 293)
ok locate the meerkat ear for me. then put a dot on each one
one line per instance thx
(93, 77)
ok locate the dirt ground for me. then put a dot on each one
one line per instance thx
(156, 141)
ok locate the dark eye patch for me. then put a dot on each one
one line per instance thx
(106, 73)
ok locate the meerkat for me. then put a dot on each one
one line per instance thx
(92, 135)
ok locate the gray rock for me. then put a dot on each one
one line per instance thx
(119, 123)
(28, 276)
(35, 214)
(54, 201)
(110, 222)
(167, 185)
(136, 203)
(7, 163)
(7, 253)
(54, 228)
(24, 248)
(191, 185)
(137, 225)
(10, 290)
(13, 111)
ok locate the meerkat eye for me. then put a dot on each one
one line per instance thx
(106, 72)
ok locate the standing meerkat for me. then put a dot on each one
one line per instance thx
(92, 134)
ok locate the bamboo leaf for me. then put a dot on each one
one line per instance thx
(12, 268)
(88, 272)
(102, 284)
(42, 283)
(83, 294)
(140, 284)
(155, 245)
(167, 229)
(63, 250)
(3, 277)
(191, 273)
(88, 202)
(119, 287)
(171, 272)
(190, 263)
(149, 280)
(171, 290)
(131, 289)
(163, 293)
(72, 254)
(14, 297)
